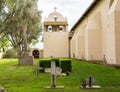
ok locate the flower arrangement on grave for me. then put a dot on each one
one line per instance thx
(83, 83)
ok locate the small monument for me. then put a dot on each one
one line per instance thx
(25, 59)
(87, 83)
(53, 76)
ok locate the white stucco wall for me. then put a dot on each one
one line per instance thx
(56, 44)
(102, 33)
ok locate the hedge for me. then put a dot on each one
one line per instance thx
(45, 64)
(66, 65)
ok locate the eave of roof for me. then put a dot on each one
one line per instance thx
(85, 13)
(56, 23)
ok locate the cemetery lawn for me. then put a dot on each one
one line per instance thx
(23, 78)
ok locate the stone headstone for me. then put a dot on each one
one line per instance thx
(53, 76)
(26, 60)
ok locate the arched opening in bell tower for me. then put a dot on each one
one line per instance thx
(49, 28)
(60, 28)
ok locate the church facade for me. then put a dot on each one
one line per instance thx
(96, 35)
(56, 42)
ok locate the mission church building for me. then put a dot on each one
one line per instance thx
(95, 36)
(56, 35)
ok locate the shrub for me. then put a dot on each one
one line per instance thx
(66, 65)
(44, 64)
(10, 54)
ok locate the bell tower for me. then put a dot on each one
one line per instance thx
(56, 35)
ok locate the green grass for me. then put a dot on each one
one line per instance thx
(23, 78)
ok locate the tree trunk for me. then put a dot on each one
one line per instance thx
(19, 51)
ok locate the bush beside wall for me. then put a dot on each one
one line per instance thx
(10, 53)
(44, 64)
(66, 65)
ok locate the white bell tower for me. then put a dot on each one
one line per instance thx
(56, 35)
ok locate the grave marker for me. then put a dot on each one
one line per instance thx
(53, 76)
(89, 82)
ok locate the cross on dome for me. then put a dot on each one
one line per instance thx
(55, 8)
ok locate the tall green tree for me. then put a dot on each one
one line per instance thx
(4, 43)
(21, 15)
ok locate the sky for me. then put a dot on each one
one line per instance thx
(72, 9)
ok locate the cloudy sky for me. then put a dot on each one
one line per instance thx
(72, 9)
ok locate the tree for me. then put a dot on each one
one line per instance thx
(21, 15)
